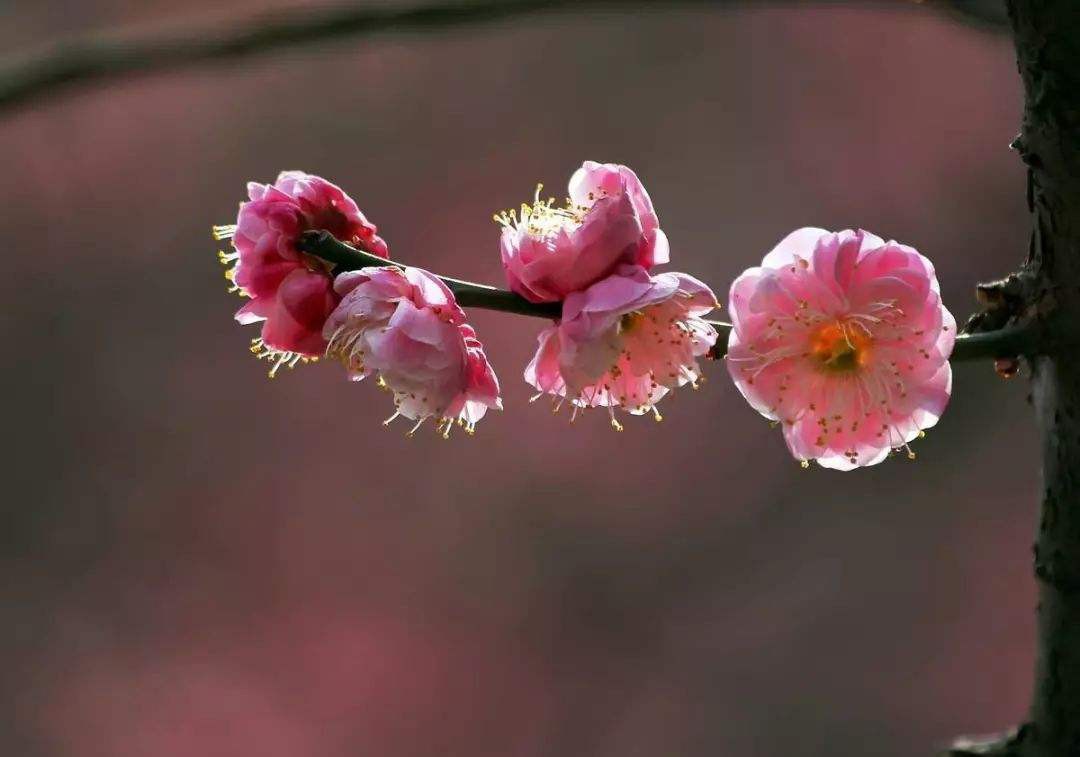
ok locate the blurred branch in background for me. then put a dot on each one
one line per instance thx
(990, 14)
(83, 60)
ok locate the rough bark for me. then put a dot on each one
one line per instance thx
(1047, 35)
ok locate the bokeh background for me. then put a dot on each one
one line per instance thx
(198, 561)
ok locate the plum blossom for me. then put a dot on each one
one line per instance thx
(404, 326)
(626, 341)
(608, 220)
(843, 339)
(291, 292)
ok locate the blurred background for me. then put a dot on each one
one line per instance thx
(199, 561)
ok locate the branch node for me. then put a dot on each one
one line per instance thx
(1007, 308)
(1049, 571)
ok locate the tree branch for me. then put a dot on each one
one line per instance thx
(1006, 342)
(323, 244)
(88, 59)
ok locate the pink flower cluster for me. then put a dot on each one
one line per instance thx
(291, 292)
(549, 252)
(841, 338)
(404, 326)
(626, 338)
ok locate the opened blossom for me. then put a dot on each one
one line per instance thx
(625, 342)
(843, 339)
(291, 292)
(608, 220)
(404, 326)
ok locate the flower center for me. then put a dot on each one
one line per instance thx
(630, 321)
(839, 347)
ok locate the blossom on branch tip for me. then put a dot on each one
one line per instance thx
(291, 292)
(608, 220)
(843, 339)
(404, 326)
(625, 342)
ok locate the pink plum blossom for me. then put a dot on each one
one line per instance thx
(291, 292)
(625, 342)
(843, 339)
(608, 220)
(405, 327)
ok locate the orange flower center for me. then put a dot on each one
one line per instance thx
(840, 348)
(631, 321)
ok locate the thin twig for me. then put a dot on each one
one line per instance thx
(323, 244)
(84, 60)
(1003, 343)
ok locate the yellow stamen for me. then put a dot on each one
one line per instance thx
(839, 349)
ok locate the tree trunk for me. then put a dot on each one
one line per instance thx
(1047, 35)
(1048, 48)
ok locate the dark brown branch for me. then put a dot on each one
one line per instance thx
(1011, 341)
(88, 59)
(1006, 342)
(323, 245)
